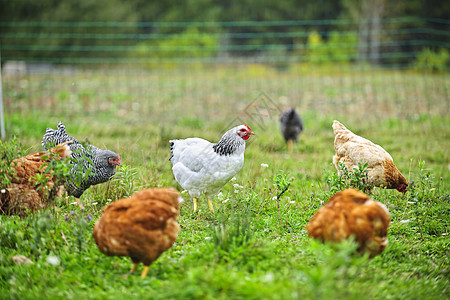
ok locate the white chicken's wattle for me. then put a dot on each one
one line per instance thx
(201, 167)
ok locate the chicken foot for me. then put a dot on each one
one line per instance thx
(211, 207)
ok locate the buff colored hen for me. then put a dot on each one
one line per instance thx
(352, 149)
(352, 213)
(141, 227)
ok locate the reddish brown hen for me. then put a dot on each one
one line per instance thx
(25, 194)
(351, 149)
(352, 213)
(142, 226)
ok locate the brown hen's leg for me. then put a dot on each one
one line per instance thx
(145, 271)
(211, 208)
(133, 269)
(195, 204)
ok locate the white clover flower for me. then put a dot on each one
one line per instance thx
(321, 202)
(53, 260)
(404, 221)
(264, 165)
(233, 179)
(94, 203)
(74, 203)
(208, 238)
(237, 186)
(274, 198)
(226, 200)
(220, 196)
(292, 202)
(268, 277)
(3, 191)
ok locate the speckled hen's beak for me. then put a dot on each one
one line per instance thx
(115, 162)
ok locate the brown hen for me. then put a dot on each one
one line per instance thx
(25, 194)
(352, 149)
(352, 213)
(142, 226)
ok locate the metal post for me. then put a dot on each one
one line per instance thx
(2, 116)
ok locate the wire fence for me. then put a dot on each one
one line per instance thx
(394, 68)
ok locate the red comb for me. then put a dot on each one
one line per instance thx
(247, 127)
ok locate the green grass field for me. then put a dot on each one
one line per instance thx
(270, 256)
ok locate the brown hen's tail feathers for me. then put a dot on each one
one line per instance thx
(63, 150)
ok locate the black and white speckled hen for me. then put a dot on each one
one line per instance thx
(291, 126)
(102, 163)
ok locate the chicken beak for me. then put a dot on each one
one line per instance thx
(116, 162)
(252, 133)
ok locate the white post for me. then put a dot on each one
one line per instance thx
(2, 116)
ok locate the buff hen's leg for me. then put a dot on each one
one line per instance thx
(211, 208)
(145, 271)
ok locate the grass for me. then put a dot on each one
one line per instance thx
(254, 246)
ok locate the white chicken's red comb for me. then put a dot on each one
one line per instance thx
(247, 127)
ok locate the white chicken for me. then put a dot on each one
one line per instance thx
(201, 167)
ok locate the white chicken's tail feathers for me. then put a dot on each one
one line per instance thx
(175, 146)
(63, 149)
(172, 145)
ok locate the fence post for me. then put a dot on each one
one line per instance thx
(2, 117)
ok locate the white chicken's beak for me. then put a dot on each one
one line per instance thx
(252, 133)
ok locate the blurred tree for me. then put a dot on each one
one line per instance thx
(75, 40)
(369, 14)
(372, 32)
(43, 38)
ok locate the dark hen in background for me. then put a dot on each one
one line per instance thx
(291, 125)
